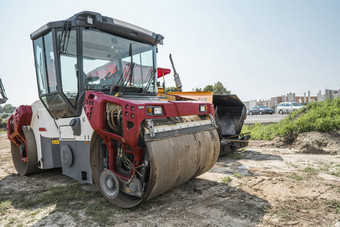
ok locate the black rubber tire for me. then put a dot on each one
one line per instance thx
(31, 166)
(280, 112)
(261, 113)
(250, 113)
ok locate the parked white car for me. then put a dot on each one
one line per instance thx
(288, 107)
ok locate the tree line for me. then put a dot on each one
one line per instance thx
(8, 108)
(218, 89)
(4, 113)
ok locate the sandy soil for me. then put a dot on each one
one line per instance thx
(308, 143)
(260, 186)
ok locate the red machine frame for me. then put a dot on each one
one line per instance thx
(135, 112)
(21, 117)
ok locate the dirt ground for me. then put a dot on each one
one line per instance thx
(262, 185)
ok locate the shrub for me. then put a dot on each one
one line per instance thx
(2, 123)
(316, 116)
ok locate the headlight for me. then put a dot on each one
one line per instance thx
(203, 108)
(157, 110)
(154, 110)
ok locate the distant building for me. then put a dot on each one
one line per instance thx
(264, 103)
(274, 101)
(305, 100)
(291, 97)
(332, 94)
(250, 104)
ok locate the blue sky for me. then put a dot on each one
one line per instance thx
(257, 49)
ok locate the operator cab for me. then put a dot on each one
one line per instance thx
(92, 52)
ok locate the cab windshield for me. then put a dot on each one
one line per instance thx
(115, 64)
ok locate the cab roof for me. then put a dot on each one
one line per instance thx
(107, 24)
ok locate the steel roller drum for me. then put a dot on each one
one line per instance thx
(175, 160)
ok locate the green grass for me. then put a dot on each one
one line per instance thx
(11, 221)
(335, 173)
(4, 206)
(54, 195)
(323, 167)
(238, 175)
(286, 215)
(72, 199)
(334, 205)
(234, 156)
(35, 212)
(226, 180)
(310, 170)
(335, 170)
(316, 116)
(293, 165)
(294, 176)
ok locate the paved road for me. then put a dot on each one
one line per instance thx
(266, 118)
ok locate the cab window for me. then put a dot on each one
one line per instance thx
(68, 66)
(40, 66)
(50, 63)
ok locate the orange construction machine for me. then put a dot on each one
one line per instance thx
(230, 112)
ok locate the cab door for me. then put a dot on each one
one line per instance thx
(56, 75)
